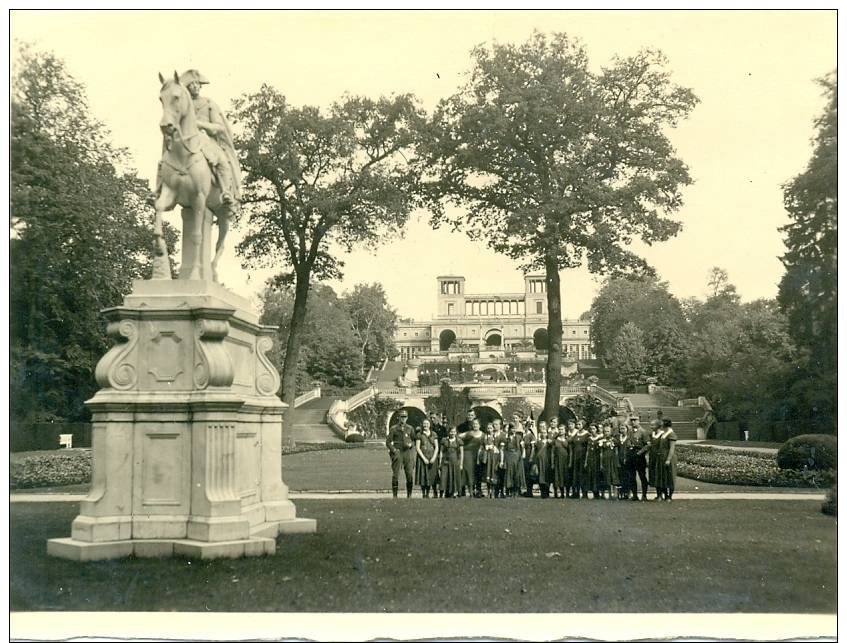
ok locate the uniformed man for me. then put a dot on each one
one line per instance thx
(467, 425)
(401, 448)
(641, 439)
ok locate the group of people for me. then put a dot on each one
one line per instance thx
(608, 459)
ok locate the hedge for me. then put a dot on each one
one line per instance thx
(813, 451)
(749, 468)
(830, 505)
(73, 466)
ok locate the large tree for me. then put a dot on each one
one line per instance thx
(645, 301)
(556, 165)
(808, 289)
(374, 322)
(741, 362)
(79, 237)
(629, 357)
(318, 183)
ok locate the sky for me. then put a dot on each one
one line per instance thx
(753, 72)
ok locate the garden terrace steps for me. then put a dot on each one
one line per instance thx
(308, 422)
(390, 373)
(684, 418)
(645, 400)
(673, 413)
(314, 433)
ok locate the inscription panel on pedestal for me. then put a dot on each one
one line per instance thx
(162, 472)
(166, 357)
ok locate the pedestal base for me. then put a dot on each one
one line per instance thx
(262, 541)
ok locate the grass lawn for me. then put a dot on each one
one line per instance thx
(467, 555)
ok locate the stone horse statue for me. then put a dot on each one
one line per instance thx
(185, 179)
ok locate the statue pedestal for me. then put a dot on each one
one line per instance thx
(411, 374)
(186, 432)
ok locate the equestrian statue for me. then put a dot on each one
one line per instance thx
(199, 171)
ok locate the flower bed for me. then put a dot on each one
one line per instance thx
(73, 466)
(50, 468)
(307, 447)
(749, 468)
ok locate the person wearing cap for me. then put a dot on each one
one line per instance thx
(467, 425)
(439, 425)
(401, 449)
(221, 153)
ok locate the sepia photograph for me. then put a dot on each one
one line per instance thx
(278, 279)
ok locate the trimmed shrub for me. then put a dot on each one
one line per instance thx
(749, 468)
(354, 437)
(815, 451)
(830, 505)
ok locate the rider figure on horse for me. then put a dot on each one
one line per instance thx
(217, 144)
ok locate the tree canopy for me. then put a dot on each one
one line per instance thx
(329, 352)
(808, 291)
(374, 322)
(79, 236)
(645, 301)
(320, 183)
(629, 357)
(555, 165)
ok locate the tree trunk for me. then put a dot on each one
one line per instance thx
(292, 352)
(553, 374)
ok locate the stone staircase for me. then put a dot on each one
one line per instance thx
(309, 422)
(684, 418)
(390, 373)
(589, 367)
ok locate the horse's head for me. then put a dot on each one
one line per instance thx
(176, 104)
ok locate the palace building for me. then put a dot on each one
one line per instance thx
(489, 322)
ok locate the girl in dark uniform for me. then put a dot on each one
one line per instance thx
(492, 458)
(622, 440)
(561, 460)
(511, 458)
(426, 465)
(541, 456)
(610, 463)
(472, 442)
(666, 461)
(578, 448)
(592, 462)
(502, 437)
(653, 456)
(450, 456)
(528, 438)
